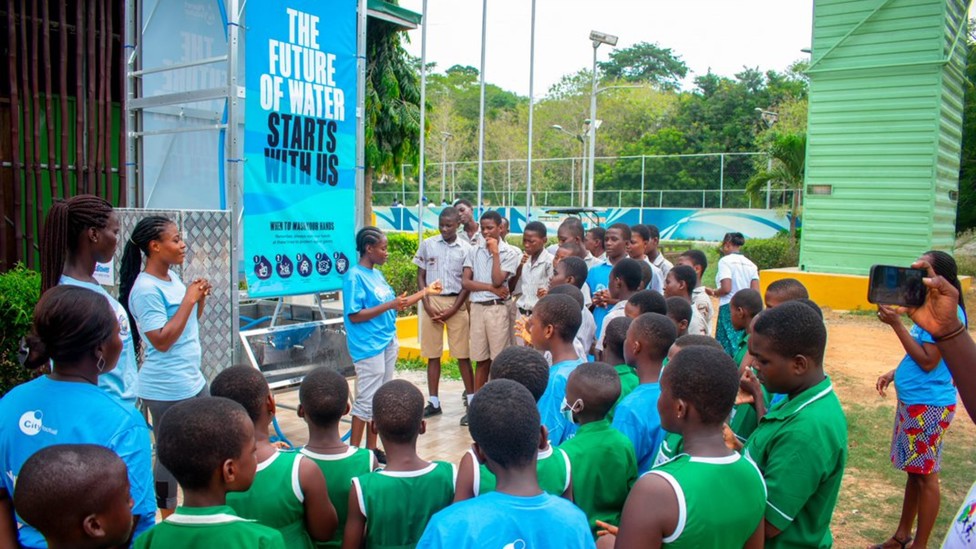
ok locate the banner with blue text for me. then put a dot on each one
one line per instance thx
(299, 145)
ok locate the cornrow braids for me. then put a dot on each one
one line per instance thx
(945, 266)
(367, 236)
(66, 221)
(148, 229)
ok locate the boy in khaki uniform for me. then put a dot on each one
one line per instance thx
(441, 258)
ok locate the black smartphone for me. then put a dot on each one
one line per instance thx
(890, 285)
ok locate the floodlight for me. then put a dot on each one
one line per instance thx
(603, 38)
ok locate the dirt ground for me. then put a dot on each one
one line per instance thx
(859, 349)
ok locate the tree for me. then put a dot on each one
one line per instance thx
(392, 105)
(788, 152)
(646, 62)
(966, 206)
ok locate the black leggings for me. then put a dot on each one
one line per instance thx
(165, 482)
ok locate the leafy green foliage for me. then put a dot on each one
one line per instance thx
(20, 289)
(646, 62)
(966, 206)
(788, 153)
(772, 253)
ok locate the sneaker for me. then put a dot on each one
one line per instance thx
(464, 420)
(431, 410)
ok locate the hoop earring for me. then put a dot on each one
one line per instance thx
(101, 364)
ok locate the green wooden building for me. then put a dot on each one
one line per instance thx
(884, 130)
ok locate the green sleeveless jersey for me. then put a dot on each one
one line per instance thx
(704, 487)
(552, 466)
(276, 499)
(398, 504)
(209, 527)
(339, 470)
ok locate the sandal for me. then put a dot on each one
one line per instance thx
(902, 544)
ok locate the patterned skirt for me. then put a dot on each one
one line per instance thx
(916, 444)
(728, 336)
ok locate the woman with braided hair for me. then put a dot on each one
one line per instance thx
(926, 406)
(166, 313)
(369, 313)
(79, 233)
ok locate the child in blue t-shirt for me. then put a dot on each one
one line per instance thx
(370, 308)
(552, 327)
(926, 407)
(505, 426)
(598, 278)
(649, 338)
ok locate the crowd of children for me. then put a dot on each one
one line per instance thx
(601, 410)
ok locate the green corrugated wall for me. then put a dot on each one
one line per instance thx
(886, 92)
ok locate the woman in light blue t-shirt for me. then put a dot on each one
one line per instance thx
(369, 314)
(166, 313)
(79, 233)
(926, 407)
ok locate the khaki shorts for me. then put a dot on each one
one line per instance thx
(432, 333)
(491, 330)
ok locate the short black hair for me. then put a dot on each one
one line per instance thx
(793, 328)
(696, 340)
(504, 421)
(244, 385)
(697, 257)
(640, 230)
(573, 224)
(706, 378)
(735, 239)
(813, 305)
(196, 436)
(599, 233)
(493, 216)
(464, 201)
(623, 228)
(562, 312)
(748, 299)
(686, 274)
(576, 268)
(616, 334)
(58, 486)
(571, 291)
(600, 386)
(790, 288)
(523, 365)
(647, 274)
(656, 332)
(449, 212)
(654, 232)
(323, 395)
(649, 301)
(574, 248)
(535, 227)
(629, 271)
(398, 411)
(679, 309)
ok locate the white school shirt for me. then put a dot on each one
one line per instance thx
(662, 263)
(535, 275)
(739, 270)
(442, 261)
(585, 335)
(479, 259)
(702, 305)
(616, 312)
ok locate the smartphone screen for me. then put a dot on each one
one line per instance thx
(890, 285)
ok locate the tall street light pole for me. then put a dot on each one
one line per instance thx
(445, 136)
(597, 38)
(769, 118)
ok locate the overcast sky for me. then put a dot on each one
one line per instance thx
(722, 35)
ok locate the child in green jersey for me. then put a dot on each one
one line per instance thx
(529, 368)
(289, 492)
(800, 444)
(323, 400)
(744, 308)
(208, 444)
(603, 459)
(390, 507)
(92, 479)
(685, 502)
(613, 353)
